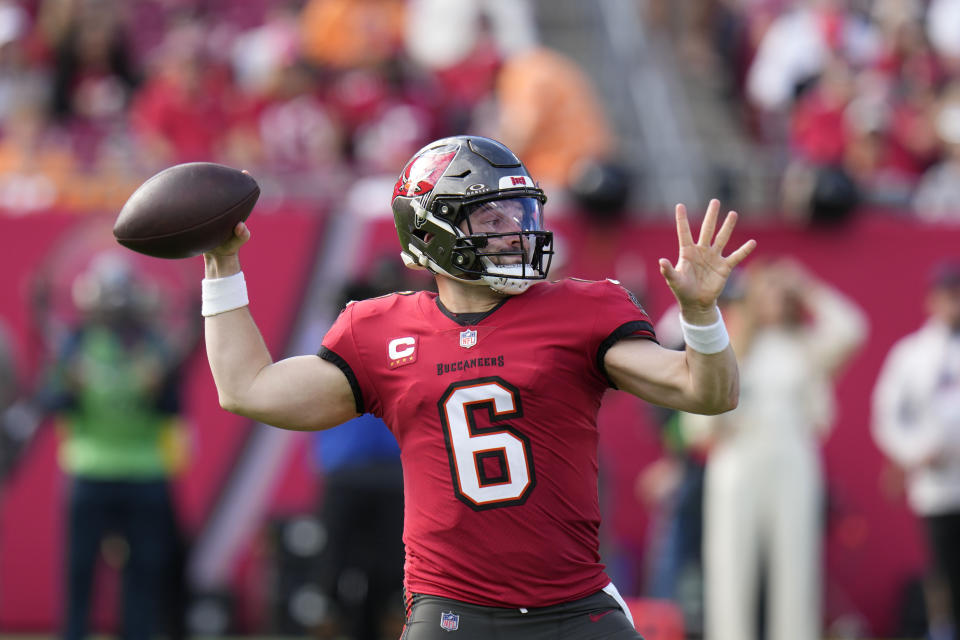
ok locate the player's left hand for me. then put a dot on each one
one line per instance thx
(702, 270)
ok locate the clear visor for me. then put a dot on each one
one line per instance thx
(505, 234)
(504, 216)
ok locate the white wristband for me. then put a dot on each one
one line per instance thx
(709, 339)
(219, 295)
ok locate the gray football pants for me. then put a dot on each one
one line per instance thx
(596, 617)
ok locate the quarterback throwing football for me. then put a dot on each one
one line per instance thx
(491, 387)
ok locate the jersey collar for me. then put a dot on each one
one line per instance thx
(468, 319)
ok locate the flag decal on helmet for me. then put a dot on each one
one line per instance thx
(515, 182)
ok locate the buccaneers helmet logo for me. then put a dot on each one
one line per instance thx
(421, 174)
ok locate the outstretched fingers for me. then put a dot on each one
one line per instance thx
(724, 235)
(737, 256)
(709, 223)
(726, 230)
(706, 241)
(683, 227)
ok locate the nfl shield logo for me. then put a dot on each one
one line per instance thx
(449, 621)
(468, 338)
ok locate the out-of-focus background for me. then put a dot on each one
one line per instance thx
(832, 126)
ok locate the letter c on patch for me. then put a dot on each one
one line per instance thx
(400, 348)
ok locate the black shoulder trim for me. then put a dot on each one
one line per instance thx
(341, 364)
(634, 329)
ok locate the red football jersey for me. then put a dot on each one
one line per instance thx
(497, 426)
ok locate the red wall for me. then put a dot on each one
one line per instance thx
(31, 555)
(873, 543)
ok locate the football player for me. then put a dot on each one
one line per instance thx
(491, 387)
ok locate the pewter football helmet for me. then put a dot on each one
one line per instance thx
(465, 207)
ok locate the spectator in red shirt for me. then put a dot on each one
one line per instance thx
(182, 108)
(818, 131)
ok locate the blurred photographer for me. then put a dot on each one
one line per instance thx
(113, 388)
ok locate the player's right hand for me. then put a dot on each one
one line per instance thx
(241, 233)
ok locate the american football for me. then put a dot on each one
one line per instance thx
(186, 210)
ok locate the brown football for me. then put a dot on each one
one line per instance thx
(186, 210)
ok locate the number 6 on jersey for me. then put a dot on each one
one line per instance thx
(491, 466)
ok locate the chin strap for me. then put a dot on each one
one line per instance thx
(509, 286)
(502, 278)
(409, 261)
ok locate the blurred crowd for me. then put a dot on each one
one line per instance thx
(857, 101)
(96, 95)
